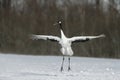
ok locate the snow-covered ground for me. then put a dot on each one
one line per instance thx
(21, 67)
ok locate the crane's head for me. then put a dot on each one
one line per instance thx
(59, 23)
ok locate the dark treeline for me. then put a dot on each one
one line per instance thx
(38, 17)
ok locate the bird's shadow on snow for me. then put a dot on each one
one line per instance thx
(47, 74)
(36, 74)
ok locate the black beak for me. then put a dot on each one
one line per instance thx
(57, 23)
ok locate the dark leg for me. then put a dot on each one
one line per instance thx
(62, 64)
(69, 64)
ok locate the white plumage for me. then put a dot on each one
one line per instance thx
(66, 42)
(45, 37)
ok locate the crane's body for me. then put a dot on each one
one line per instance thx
(66, 45)
(66, 42)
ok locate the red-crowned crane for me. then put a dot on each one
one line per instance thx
(66, 42)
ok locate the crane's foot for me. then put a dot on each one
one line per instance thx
(61, 69)
(69, 68)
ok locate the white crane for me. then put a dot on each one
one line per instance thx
(66, 42)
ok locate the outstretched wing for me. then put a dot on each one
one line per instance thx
(45, 37)
(84, 38)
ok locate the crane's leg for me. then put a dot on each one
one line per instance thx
(62, 64)
(69, 64)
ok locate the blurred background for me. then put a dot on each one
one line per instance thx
(20, 18)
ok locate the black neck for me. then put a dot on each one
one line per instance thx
(60, 26)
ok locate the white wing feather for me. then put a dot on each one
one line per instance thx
(77, 38)
(45, 37)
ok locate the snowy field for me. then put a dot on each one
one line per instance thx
(21, 67)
